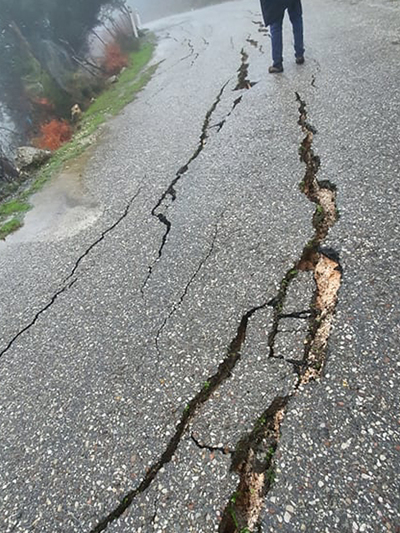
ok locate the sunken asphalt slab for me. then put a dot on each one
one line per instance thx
(111, 353)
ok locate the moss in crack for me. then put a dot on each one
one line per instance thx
(253, 461)
(319, 216)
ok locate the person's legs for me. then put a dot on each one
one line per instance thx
(276, 40)
(296, 18)
(265, 11)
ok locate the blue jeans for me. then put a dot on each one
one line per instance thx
(296, 18)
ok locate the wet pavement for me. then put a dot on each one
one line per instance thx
(136, 326)
(61, 210)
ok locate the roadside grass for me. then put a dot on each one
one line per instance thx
(107, 104)
(121, 93)
(13, 206)
(9, 227)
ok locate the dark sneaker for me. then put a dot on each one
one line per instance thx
(275, 69)
(300, 60)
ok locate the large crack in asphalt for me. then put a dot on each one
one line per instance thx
(243, 72)
(210, 386)
(253, 460)
(69, 281)
(169, 195)
(252, 42)
(255, 44)
(221, 124)
(261, 27)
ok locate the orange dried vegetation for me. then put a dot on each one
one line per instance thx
(43, 102)
(114, 59)
(54, 134)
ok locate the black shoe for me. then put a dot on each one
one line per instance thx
(275, 69)
(300, 60)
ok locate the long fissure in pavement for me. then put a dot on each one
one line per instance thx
(253, 459)
(169, 195)
(210, 386)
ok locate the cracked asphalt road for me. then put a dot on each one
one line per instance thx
(108, 335)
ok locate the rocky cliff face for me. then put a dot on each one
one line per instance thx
(8, 172)
(10, 133)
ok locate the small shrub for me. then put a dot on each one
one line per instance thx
(114, 59)
(54, 134)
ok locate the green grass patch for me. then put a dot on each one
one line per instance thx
(9, 227)
(107, 104)
(12, 207)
